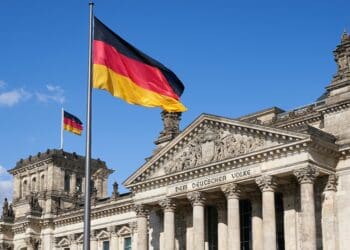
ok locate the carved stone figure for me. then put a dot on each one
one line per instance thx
(212, 145)
(115, 193)
(5, 208)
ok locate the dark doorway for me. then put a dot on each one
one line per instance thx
(279, 221)
(245, 214)
(212, 228)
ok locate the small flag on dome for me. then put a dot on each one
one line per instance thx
(72, 123)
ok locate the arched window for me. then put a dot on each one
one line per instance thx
(42, 183)
(33, 186)
(25, 188)
(66, 182)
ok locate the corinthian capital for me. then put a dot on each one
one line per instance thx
(331, 183)
(168, 205)
(141, 210)
(231, 191)
(266, 183)
(196, 198)
(306, 175)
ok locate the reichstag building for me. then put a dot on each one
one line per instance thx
(271, 180)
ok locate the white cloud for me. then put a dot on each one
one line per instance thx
(2, 84)
(5, 185)
(13, 97)
(3, 171)
(54, 93)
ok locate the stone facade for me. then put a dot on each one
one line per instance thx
(270, 180)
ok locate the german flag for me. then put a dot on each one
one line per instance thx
(131, 75)
(72, 123)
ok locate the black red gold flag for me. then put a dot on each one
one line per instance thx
(72, 123)
(131, 75)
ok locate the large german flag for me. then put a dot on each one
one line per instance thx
(129, 74)
(72, 123)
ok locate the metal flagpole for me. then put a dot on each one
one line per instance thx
(87, 203)
(62, 121)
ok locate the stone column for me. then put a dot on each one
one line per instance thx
(306, 177)
(267, 185)
(73, 183)
(93, 242)
(329, 216)
(232, 192)
(142, 226)
(290, 216)
(169, 207)
(257, 222)
(197, 200)
(222, 225)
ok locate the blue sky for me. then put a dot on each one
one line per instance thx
(234, 57)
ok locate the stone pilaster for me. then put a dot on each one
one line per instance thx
(306, 177)
(142, 226)
(169, 207)
(329, 215)
(73, 183)
(197, 200)
(257, 222)
(232, 192)
(222, 225)
(290, 216)
(267, 185)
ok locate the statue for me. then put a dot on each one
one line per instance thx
(115, 192)
(5, 208)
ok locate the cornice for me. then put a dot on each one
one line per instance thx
(111, 209)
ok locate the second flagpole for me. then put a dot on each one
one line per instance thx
(87, 201)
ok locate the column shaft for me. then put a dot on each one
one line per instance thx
(267, 185)
(269, 220)
(222, 226)
(142, 227)
(329, 215)
(232, 192)
(197, 201)
(306, 177)
(168, 206)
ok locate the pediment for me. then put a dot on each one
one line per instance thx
(63, 242)
(124, 231)
(102, 235)
(211, 139)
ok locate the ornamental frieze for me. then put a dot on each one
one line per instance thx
(212, 145)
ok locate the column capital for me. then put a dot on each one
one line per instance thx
(168, 205)
(231, 190)
(196, 198)
(141, 210)
(266, 183)
(306, 175)
(331, 183)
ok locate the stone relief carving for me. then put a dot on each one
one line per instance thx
(212, 145)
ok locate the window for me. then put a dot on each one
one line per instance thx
(79, 185)
(25, 188)
(279, 221)
(66, 182)
(34, 184)
(105, 245)
(42, 183)
(127, 243)
(245, 215)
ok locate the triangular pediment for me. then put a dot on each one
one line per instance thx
(211, 139)
(63, 242)
(102, 235)
(124, 231)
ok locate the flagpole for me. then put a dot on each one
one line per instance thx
(87, 203)
(62, 121)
